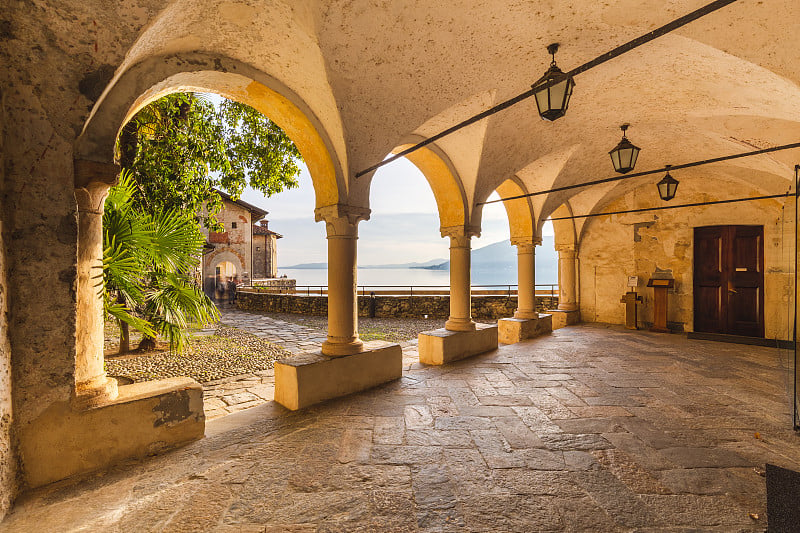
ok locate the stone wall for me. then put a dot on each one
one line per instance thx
(613, 248)
(483, 307)
(272, 284)
(7, 461)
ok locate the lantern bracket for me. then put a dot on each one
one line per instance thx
(552, 49)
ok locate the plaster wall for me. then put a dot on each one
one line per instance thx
(265, 256)
(617, 246)
(7, 459)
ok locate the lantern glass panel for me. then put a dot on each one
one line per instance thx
(634, 157)
(615, 158)
(625, 156)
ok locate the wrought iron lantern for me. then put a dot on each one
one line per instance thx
(667, 186)
(553, 90)
(625, 154)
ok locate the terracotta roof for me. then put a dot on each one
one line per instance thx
(257, 212)
(261, 230)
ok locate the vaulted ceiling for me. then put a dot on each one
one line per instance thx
(378, 74)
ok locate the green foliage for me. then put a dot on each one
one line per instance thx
(181, 147)
(147, 264)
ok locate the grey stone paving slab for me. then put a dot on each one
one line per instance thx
(460, 448)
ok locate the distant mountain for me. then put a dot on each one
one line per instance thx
(407, 265)
(322, 266)
(503, 256)
(493, 256)
(309, 266)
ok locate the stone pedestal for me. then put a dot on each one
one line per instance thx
(307, 379)
(513, 330)
(144, 419)
(442, 345)
(561, 318)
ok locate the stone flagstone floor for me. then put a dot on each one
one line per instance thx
(229, 395)
(589, 429)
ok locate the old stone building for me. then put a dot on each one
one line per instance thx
(243, 251)
(351, 82)
(265, 251)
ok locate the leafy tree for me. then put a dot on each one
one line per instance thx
(148, 260)
(182, 147)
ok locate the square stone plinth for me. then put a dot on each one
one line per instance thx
(146, 418)
(442, 346)
(562, 319)
(513, 330)
(311, 378)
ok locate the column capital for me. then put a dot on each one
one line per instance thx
(460, 231)
(566, 249)
(92, 181)
(526, 241)
(92, 173)
(341, 220)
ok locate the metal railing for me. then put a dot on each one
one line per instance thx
(509, 290)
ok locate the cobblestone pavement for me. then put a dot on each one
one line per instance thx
(588, 429)
(291, 336)
(229, 395)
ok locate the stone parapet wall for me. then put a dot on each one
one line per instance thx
(385, 306)
(274, 283)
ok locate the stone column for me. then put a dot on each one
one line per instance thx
(92, 386)
(567, 279)
(341, 223)
(526, 277)
(460, 303)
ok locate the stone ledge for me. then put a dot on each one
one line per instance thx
(311, 378)
(145, 419)
(513, 330)
(442, 346)
(563, 318)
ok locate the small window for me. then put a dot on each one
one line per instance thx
(233, 225)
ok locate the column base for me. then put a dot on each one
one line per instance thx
(513, 330)
(96, 392)
(442, 345)
(459, 324)
(311, 378)
(562, 318)
(145, 419)
(342, 349)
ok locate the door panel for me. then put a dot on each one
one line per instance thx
(729, 280)
(709, 280)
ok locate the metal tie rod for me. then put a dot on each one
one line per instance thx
(648, 172)
(663, 207)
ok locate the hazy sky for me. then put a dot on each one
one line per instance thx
(403, 226)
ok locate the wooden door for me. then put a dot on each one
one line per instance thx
(729, 280)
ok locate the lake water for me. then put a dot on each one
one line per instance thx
(406, 276)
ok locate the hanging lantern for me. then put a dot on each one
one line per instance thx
(667, 186)
(625, 154)
(552, 101)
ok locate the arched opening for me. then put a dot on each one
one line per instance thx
(94, 178)
(225, 272)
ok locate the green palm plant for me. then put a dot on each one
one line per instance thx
(148, 260)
